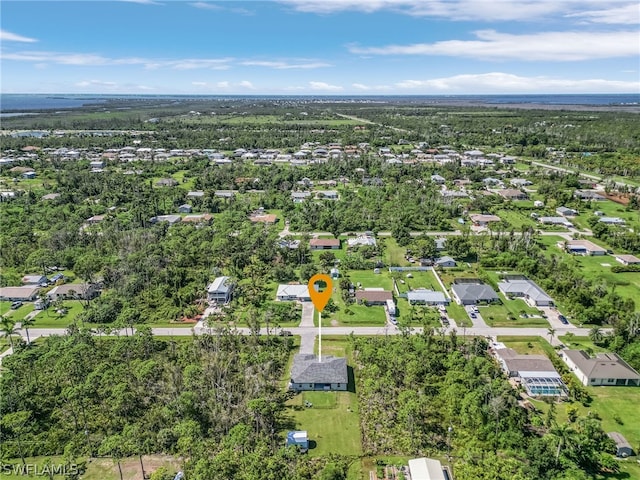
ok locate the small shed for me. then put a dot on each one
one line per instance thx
(298, 438)
(623, 447)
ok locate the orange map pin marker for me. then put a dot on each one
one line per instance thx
(319, 298)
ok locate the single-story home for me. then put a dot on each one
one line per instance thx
(512, 194)
(588, 195)
(362, 240)
(583, 247)
(220, 290)
(299, 197)
(184, 208)
(603, 369)
(481, 220)
(197, 218)
(423, 296)
(290, 244)
(623, 447)
(528, 289)
(520, 182)
(427, 469)
(266, 218)
(445, 262)
(290, 293)
(327, 195)
(555, 221)
(35, 279)
(309, 373)
(84, 291)
(472, 292)
(170, 219)
(298, 438)
(628, 259)
(195, 194)
(324, 244)
(612, 221)
(373, 296)
(566, 212)
(167, 182)
(536, 372)
(25, 293)
(438, 179)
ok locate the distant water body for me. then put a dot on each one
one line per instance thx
(31, 102)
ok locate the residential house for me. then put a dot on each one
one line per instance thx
(438, 179)
(299, 197)
(373, 296)
(167, 182)
(327, 195)
(440, 244)
(582, 247)
(261, 217)
(555, 221)
(427, 469)
(423, 296)
(25, 293)
(566, 212)
(95, 219)
(324, 244)
(292, 293)
(527, 289)
(481, 220)
(520, 182)
(445, 262)
(468, 291)
(603, 369)
(612, 221)
(628, 259)
(50, 196)
(184, 208)
(170, 219)
(35, 279)
(289, 243)
(224, 193)
(623, 447)
(362, 240)
(195, 194)
(512, 194)
(312, 373)
(220, 290)
(200, 218)
(536, 373)
(77, 291)
(588, 195)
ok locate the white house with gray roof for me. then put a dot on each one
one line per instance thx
(292, 293)
(527, 289)
(308, 373)
(604, 369)
(472, 292)
(423, 296)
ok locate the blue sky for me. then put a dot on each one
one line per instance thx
(400, 47)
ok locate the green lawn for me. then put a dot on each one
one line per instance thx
(394, 253)
(528, 345)
(356, 315)
(508, 314)
(417, 280)
(20, 313)
(627, 285)
(459, 314)
(50, 319)
(581, 343)
(368, 279)
(5, 306)
(516, 218)
(610, 209)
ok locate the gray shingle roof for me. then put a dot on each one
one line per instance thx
(307, 369)
(604, 365)
(474, 291)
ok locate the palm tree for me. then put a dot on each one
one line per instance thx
(551, 332)
(595, 334)
(27, 322)
(8, 328)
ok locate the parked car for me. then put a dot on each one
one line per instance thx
(16, 305)
(563, 319)
(472, 315)
(285, 333)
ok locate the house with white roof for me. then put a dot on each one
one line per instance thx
(220, 290)
(292, 293)
(527, 289)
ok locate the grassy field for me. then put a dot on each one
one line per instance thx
(581, 343)
(516, 219)
(508, 314)
(333, 422)
(100, 468)
(368, 279)
(418, 280)
(528, 345)
(610, 209)
(394, 253)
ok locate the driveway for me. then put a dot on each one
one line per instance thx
(307, 315)
(554, 321)
(477, 322)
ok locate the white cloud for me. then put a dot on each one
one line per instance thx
(142, 2)
(246, 84)
(90, 59)
(14, 37)
(322, 86)
(199, 84)
(363, 87)
(87, 83)
(113, 87)
(502, 83)
(222, 84)
(475, 10)
(545, 46)
(284, 65)
(626, 14)
(206, 6)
